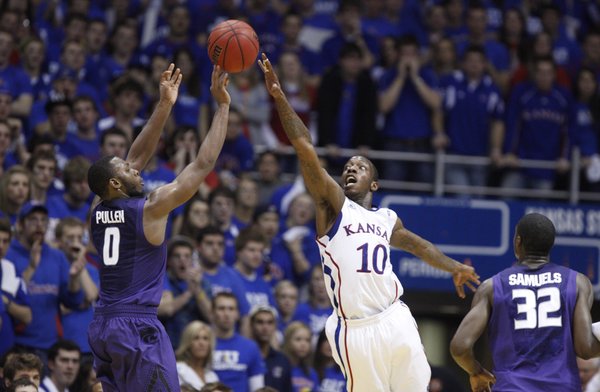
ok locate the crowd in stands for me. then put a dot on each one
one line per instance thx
(244, 299)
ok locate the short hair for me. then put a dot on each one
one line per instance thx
(477, 49)
(127, 84)
(537, 234)
(216, 387)
(407, 40)
(21, 361)
(55, 103)
(208, 230)
(75, 170)
(63, 344)
(266, 153)
(345, 5)
(21, 382)
(113, 131)
(221, 191)
(247, 235)
(5, 226)
(73, 16)
(350, 49)
(41, 155)
(179, 241)
(543, 59)
(84, 98)
(67, 222)
(99, 174)
(225, 294)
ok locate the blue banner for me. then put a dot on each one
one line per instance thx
(480, 232)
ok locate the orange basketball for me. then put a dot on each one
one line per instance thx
(233, 45)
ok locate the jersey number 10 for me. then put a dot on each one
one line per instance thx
(378, 265)
(536, 308)
(110, 250)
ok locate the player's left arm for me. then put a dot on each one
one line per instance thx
(469, 331)
(408, 241)
(145, 143)
(586, 345)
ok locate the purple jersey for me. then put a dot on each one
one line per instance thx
(132, 269)
(530, 329)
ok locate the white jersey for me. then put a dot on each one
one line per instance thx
(356, 261)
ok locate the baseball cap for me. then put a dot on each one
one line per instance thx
(31, 207)
(263, 308)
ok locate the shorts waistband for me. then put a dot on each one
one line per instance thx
(126, 311)
(376, 317)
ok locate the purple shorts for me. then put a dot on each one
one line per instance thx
(132, 352)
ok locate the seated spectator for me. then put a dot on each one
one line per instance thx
(236, 359)
(263, 326)
(591, 53)
(15, 300)
(330, 375)
(123, 46)
(33, 57)
(443, 61)
(114, 141)
(298, 348)
(269, 176)
(194, 356)
(249, 246)
(278, 260)
(12, 140)
(69, 235)
(22, 366)
(23, 385)
(537, 128)
(85, 140)
(14, 191)
(86, 377)
(286, 298)
(186, 296)
(192, 106)
(315, 312)
(63, 362)
(59, 117)
(127, 97)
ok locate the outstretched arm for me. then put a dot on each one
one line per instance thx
(461, 274)
(144, 145)
(586, 344)
(326, 192)
(469, 331)
(166, 198)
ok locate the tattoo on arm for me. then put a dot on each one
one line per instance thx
(293, 126)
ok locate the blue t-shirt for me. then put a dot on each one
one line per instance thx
(237, 156)
(227, 280)
(48, 288)
(333, 380)
(315, 318)
(16, 80)
(14, 288)
(258, 291)
(302, 382)
(236, 360)
(581, 129)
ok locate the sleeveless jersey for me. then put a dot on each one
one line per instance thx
(355, 255)
(530, 329)
(131, 269)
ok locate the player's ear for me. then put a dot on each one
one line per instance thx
(115, 183)
(374, 186)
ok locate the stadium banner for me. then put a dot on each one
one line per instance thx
(480, 232)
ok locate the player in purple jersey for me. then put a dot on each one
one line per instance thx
(538, 319)
(132, 351)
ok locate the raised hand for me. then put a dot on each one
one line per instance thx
(35, 254)
(465, 275)
(482, 381)
(218, 86)
(271, 79)
(169, 84)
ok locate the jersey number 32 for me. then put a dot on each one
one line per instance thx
(536, 306)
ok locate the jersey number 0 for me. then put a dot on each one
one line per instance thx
(110, 250)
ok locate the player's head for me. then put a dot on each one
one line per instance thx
(359, 177)
(23, 365)
(225, 311)
(196, 344)
(534, 236)
(63, 362)
(112, 177)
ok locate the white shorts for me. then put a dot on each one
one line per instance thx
(380, 353)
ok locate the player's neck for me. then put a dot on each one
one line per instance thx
(533, 260)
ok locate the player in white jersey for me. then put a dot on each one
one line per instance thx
(372, 333)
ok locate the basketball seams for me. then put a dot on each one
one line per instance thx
(233, 58)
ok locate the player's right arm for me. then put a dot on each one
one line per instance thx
(469, 331)
(326, 192)
(586, 345)
(168, 197)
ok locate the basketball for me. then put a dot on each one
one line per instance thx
(233, 45)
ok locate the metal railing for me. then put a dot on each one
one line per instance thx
(440, 159)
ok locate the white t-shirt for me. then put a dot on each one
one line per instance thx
(188, 376)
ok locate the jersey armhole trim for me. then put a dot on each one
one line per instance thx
(336, 225)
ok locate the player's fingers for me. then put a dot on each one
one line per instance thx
(261, 65)
(167, 74)
(460, 291)
(178, 81)
(471, 286)
(176, 74)
(215, 74)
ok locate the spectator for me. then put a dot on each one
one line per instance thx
(23, 385)
(222, 205)
(22, 366)
(251, 100)
(297, 347)
(286, 298)
(315, 312)
(14, 191)
(269, 176)
(236, 359)
(473, 110)
(455, 12)
(194, 356)
(513, 35)
(497, 55)
(44, 184)
(194, 218)
(69, 234)
(237, 154)
(246, 202)
(263, 324)
(15, 300)
(59, 117)
(210, 245)
(33, 56)
(407, 97)
(344, 89)
(537, 112)
(436, 21)
(565, 50)
(123, 46)
(591, 52)
(86, 377)
(12, 149)
(63, 362)
(127, 97)
(181, 148)
(85, 140)
(331, 378)
(49, 277)
(184, 297)
(443, 59)
(249, 246)
(192, 106)
(15, 77)
(99, 70)
(114, 142)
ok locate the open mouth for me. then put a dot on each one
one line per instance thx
(350, 180)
